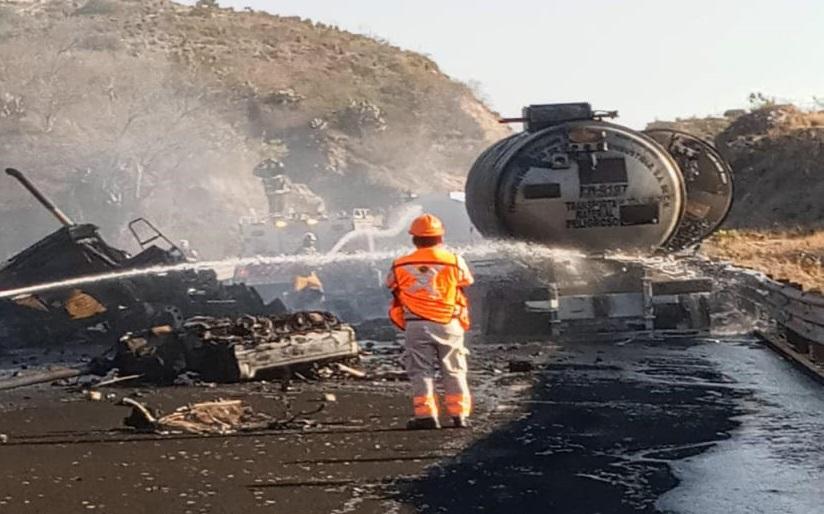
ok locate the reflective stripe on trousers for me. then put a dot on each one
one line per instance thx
(425, 406)
(430, 345)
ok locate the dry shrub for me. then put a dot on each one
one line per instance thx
(98, 8)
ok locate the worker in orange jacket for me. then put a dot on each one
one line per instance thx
(430, 305)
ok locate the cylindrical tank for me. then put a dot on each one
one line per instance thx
(708, 179)
(577, 183)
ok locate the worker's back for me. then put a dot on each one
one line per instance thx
(428, 282)
(428, 302)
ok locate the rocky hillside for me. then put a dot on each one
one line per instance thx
(777, 154)
(123, 108)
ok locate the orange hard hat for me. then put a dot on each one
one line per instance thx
(426, 225)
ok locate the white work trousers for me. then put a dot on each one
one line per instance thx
(430, 346)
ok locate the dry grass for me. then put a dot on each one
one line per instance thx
(794, 255)
(816, 119)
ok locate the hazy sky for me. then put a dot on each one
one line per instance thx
(650, 59)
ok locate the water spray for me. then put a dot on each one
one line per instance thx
(476, 251)
(371, 234)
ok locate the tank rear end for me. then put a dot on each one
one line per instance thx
(573, 180)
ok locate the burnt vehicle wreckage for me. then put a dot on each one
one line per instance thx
(116, 306)
(182, 319)
(233, 349)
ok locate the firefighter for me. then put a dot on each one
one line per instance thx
(307, 290)
(430, 305)
(309, 244)
(189, 253)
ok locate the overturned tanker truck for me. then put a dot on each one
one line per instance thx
(627, 201)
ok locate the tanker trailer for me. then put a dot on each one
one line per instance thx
(571, 180)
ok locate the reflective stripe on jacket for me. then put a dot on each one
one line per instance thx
(428, 284)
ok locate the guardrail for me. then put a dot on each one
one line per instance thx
(794, 318)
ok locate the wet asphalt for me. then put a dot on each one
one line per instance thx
(687, 426)
(690, 426)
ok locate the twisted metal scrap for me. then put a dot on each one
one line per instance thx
(219, 417)
(252, 330)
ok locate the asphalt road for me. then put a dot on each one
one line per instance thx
(668, 426)
(695, 426)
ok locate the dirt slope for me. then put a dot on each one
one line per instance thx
(777, 154)
(122, 108)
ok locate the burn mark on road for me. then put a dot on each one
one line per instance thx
(597, 438)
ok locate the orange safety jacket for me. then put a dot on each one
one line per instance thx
(428, 284)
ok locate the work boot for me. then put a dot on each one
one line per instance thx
(423, 424)
(460, 422)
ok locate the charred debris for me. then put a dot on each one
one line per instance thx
(179, 321)
(109, 307)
